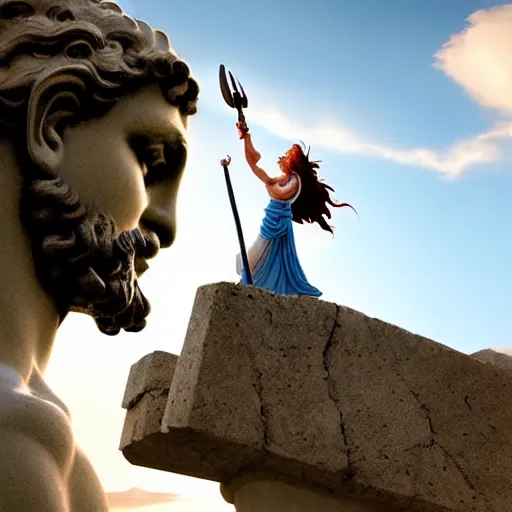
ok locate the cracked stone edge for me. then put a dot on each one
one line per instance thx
(331, 390)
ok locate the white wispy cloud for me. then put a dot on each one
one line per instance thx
(451, 162)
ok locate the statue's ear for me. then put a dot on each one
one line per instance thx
(55, 98)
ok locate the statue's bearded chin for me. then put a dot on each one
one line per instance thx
(81, 259)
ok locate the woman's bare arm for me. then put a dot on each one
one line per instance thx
(273, 185)
(253, 157)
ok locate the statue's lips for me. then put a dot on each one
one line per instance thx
(148, 251)
(151, 245)
(141, 265)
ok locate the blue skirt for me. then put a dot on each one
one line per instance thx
(279, 269)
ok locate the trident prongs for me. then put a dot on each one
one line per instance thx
(245, 103)
(224, 87)
(235, 96)
(239, 95)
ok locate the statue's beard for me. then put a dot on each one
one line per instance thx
(81, 259)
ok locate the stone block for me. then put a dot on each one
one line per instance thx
(146, 395)
(320, 396)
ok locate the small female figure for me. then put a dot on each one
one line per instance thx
(296, 195)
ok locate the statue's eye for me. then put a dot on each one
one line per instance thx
(160, 161)
(155, 155)
(151, 157)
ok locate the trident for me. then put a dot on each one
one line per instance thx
(237, 100)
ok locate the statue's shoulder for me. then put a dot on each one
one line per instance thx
(40, 420)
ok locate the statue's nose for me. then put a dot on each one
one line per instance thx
(162, 186)
(160, 214)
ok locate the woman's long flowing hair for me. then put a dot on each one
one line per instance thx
(312, 204)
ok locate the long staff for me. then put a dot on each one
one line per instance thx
(243, 252)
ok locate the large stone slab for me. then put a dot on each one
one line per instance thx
(321, 396)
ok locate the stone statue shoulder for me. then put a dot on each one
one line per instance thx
(36, 419)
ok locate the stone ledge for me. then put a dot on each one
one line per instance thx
(319, 395)
(146, 395)
(153, 372)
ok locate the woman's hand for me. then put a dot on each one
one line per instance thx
(243, 129)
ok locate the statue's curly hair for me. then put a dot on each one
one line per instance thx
(117, 54)
(88, 55)
(312, 203)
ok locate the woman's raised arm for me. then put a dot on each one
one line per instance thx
(252, 156)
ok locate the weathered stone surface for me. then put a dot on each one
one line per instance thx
(146, 395)
(320, 395)
(498, 359)
(153, 372)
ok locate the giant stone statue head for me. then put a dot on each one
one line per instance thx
(95, 105)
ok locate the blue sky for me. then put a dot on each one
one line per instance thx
(421, 150)
(428, 253)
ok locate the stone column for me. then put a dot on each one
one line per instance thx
(296, 404)
(260, 495)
